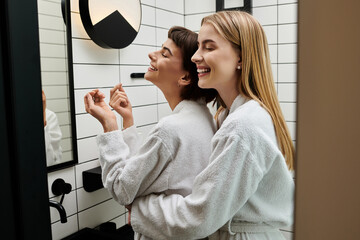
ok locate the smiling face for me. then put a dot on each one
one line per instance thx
(216, 60)
(166, 67)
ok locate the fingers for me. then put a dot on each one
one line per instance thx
(116, 87)
(88, 101)
(119, 100)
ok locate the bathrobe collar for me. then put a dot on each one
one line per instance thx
(239, 100)
(184, 103)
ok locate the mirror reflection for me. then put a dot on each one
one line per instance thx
(55, 78)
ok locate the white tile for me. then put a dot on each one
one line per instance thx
(200, 6)
(287, 53)
(259, 3)
(135, 54)
(89, 199)
(148, 15)
(161, 36)
(58, 105)
(287, 13)
(292, 129)
(100, 213)
(87, 149)
(287, 92)
(174, 6)
(53, 64)
(52, 36)
(288, 33)
(56, 92)
(86, 51)
(67, 174)
(49, 8)
(54, 78)
(266, 15)
(63, 118)
(95, 76)
(125, 78)
(273, 53)
(164, 110)
(271, 34)
(146, 36)
(66, 144)
(145, 115)
(87, 126)
(77, 28)
(274, 72)
(160, 96)
(51, 22)
(287, 1)
(69, 204)
(79, 168)
(60, 230)
(288, 73)
(143, 95)
(168, 19)
(289, 111)
(74, 5)
(148, 2)
(66, 131)
(193, 22)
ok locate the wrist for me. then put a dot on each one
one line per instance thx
(128, 122)
(110, 125)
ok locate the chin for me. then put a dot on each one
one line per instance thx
(202, 84)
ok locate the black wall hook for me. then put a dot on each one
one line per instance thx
(137, 75)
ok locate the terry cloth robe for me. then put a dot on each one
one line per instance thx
(174, 153)
(246, 192)
(52, 134)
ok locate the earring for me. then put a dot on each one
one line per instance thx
(238, 67)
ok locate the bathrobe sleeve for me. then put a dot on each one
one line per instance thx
(126, 176)
(219, 192)
(132, 139)
(52, 134)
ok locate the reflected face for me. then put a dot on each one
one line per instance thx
(216, 60)
(166, 66)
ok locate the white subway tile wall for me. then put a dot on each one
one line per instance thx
(95, 67)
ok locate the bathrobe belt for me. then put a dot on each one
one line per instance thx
(246, 227)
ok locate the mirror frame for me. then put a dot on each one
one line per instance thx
(220, 6)
(67, 18)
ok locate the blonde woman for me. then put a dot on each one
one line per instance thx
(246, 192)
(178, 147)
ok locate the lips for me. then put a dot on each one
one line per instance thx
(152, 68)
(202, 71)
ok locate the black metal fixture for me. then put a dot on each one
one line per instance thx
(137, 75)
(60, 187)
(92, 179)
(61, 210)
(115, 26)
(245, 5)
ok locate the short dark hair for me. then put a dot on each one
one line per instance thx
(186, 40)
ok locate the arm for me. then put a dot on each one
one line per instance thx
(217, 195)
(128, 177)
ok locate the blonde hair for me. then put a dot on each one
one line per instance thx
(256, 80)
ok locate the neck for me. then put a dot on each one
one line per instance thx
(228, 96)
(173, 100)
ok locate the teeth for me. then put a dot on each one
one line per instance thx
(203, 70)
(152, 68)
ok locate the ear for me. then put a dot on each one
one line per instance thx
(184, 80)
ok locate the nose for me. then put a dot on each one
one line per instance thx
(152, 55)
(196, 58)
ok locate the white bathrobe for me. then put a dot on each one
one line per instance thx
(174, 153)
(53, 135)
(246, 192)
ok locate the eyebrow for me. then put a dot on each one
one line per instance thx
(207, 41)
(165, 48)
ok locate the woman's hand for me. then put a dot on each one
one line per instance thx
(121, 104)
(96, 106)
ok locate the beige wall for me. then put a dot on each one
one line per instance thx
(328, 143)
